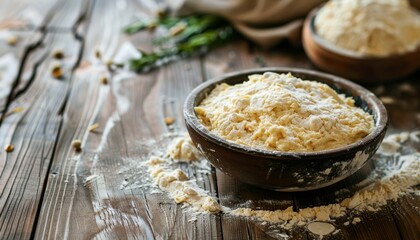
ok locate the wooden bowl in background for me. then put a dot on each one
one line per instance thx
(366, 69)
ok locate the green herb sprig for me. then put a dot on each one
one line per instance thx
(186, 36)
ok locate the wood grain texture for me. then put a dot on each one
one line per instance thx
(18, 22)
(130, 111)
(33, 131)
(50, 191)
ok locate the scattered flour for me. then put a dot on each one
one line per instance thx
(395, 182)
(387, 182)
(183, 149)
(414, 136)
(281, 112)
(370, 27)
(290, 218)
(179, 186)
(392, 143)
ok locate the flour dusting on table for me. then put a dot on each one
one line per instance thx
(395, 174)
(179, 186)
(393, 179)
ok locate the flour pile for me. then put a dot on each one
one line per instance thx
(370, 27)
(281, 112)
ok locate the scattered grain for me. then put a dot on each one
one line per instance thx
(387, 100)
(93, 127)
(58, 54)
(169, 120)
(57, 71)
(77, 144)
(15, 110)
(12, 40)
(98, 54)
(9, 148)
(104, 80)
(152, 25)
(161, 12)
(109, 64)
(177, 29)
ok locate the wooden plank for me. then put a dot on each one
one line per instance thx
(17, 36)
(406, 215)
(10, 61)
(65, 14)
(401, 100)
(33, 133)
(27, 22)
(232, 193)
(130, 111)
(24, 14)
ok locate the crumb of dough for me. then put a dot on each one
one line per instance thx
(281, 112)
(370, 27)
(180, 187)
(183, 149)
(356, 220)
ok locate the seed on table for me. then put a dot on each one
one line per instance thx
(98, 54)
(77, 144)
(93, 127)
(57, 71)
(104, 80)
(152, 25)
(109, 64)
(169, 120)
(162, 12)
(177, 29)
(9, 148)
(58, 54)
(12, 40)
(15, 110)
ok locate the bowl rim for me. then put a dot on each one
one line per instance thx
(192, 120)
(349, 53)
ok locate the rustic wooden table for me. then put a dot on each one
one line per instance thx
(42, 190)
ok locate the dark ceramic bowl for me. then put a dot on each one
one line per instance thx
(285, 171)
(368, 69)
